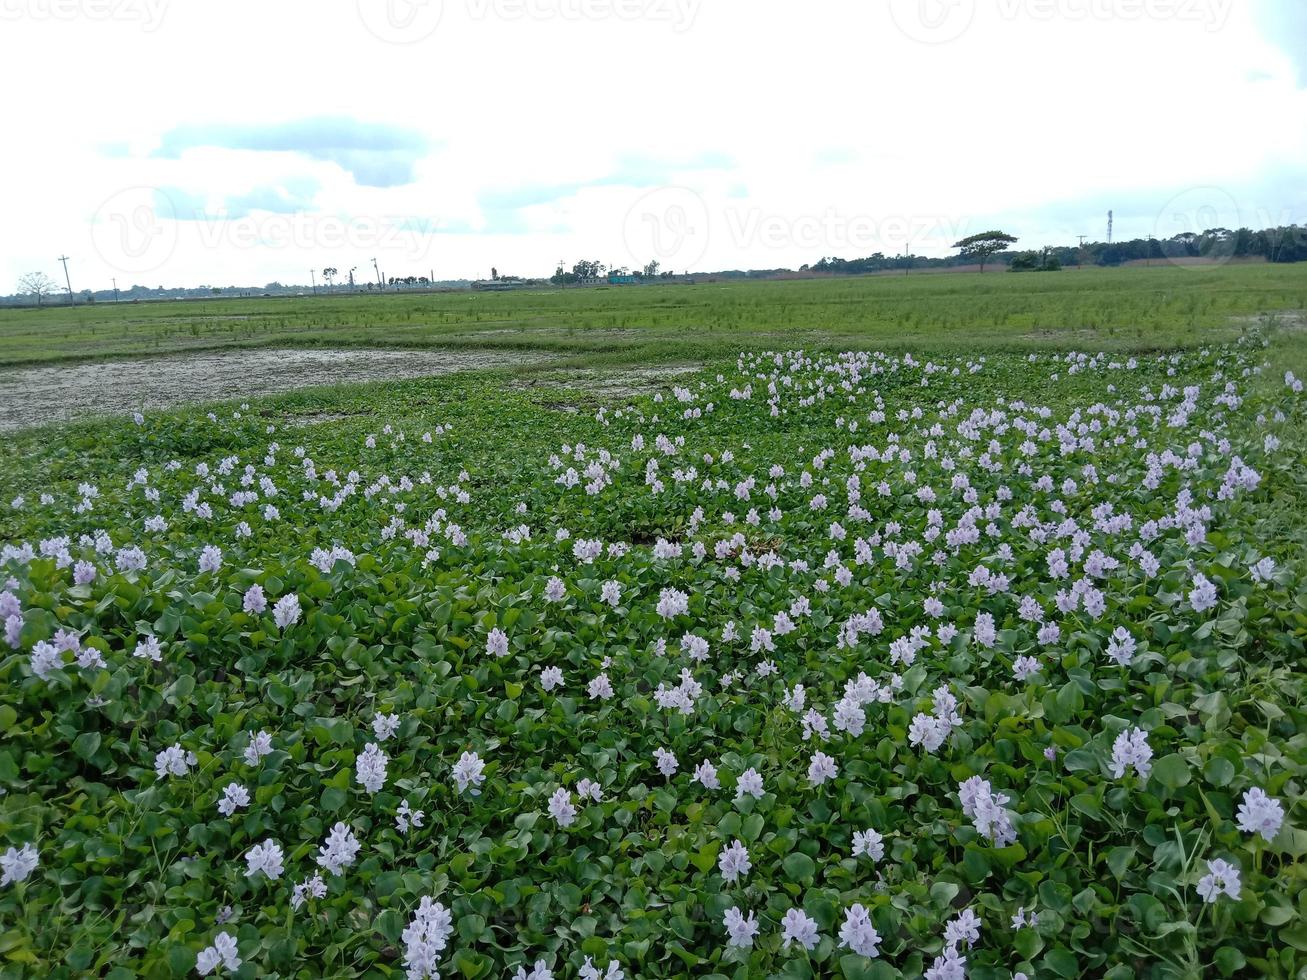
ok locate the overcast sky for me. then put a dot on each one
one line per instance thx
(187, 142)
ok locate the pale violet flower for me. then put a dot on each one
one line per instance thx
(339, 849)
(868, 842)
(705, 774)
(561, 807)
(17, 865)
(797, 927)
(234, 797)
(287, 611)
(666, 762)
(260, 745)
(425, 938)
(384, 726)
(1260, 814)
(223, 953)
(740, 931)
(370, 768)
(749, 784)
(733, 862)
(267, 858)
(1221, 878)
(469, 771)
(858, 933)
(497, 643)
(1131, 748)
(821, 768)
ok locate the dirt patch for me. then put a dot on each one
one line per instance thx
(615, 383)
(1293, 320)
(37, 395)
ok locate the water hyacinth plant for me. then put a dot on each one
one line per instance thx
(858, 665)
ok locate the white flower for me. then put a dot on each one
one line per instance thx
(868, 842)
(254, 602)
(313, 885)
(858, 934)
(173, 761)
(469, 771)
(1131, 748)
(339, 849)
(797, 927)
(821, 768)
(963, 929)
(287, 611)
(672, 603)
(210, 558)
(147, 648)
(260, 745)
(985, 807)
(666, 761)
(17, 865)
(1260, 814)
(266, 857)
(749, 784)
(406, 817)
(589, 789)
(1221, 877)
(370, 768)
(601, 688)
(497, 643)
(1203, 595)
(384, 726)
(234, 797)
(425, 939)
(1121, 646)
(705, 773)
(561, 807)
(222, 953)
(551, 677)
(540, 971)
(734, 861)
(614, 972)
(740, 930)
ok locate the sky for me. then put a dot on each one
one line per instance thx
(219, 142)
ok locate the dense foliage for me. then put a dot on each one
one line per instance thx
(863, 666)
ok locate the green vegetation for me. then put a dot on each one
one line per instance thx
(1047, 770)
(1132, 309)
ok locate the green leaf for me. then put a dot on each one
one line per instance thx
(799, 867)
(1171, 771)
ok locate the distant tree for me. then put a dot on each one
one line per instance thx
(36, 284)
(330, 273)
(650, 270)
(494, 274)
(984, 246)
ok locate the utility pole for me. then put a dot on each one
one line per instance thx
(64, 260)
(313, 278)
(377, 270)
(115, 289)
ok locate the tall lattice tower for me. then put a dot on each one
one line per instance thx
(1109, 227)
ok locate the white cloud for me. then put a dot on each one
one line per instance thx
(779, 132)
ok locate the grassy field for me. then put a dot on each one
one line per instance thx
(373, 579)
(1134, 309)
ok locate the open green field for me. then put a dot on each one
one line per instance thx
(649, 655)
(1132, 309)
